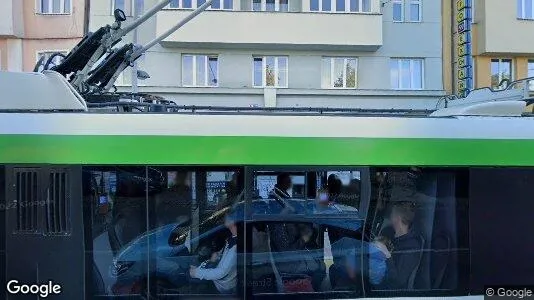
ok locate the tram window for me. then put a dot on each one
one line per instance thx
(306, 192)
(296, 255)
(417, 209)
(189, 212)
(116, 200)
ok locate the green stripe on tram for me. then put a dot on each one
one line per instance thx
(254, 150)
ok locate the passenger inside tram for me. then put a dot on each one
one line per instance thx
(173, 205)
(309, 269)
(407, 245)
(334, 186)
(221, 268)
(282, 187)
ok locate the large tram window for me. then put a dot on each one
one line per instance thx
(306, 192)
(417, 213)
(115, 201)
(192, 212)
(306, 232)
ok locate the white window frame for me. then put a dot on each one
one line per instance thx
(39, 8)
(206, 58)
(420, 5)
(399, 68)
(347, 7)
(276, 5)
(194, 4)
(264, 71)
(523, 6)
(401, 2)
(122, 81)
(132, 7)
(131, 2)
(330, 85)
(500, 62)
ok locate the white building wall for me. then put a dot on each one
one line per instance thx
(402, 40)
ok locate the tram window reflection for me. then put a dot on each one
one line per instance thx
(194, 243)
(416, 208)
(295, 192)
(116, 200)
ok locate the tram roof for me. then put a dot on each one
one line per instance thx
(51, 92)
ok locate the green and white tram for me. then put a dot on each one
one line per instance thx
(122, 204)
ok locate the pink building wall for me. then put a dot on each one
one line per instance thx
(41, 32)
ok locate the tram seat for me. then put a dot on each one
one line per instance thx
(114, 241)
(277, 276)
(440, 259)
(99, 288)
(416, 270)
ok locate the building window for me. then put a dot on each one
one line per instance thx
(415, 10)
(406, 74)
(200, 70)
(340, 5)
(125, 77)
(339, 72)
(128, 6)
(54, 7)
(525, 9)
(216, 4)
(501, 69)
(44, 56)
(270, 5)
(531, 74)
(398, 10)
(270, 71)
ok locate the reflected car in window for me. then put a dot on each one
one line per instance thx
(174, 247)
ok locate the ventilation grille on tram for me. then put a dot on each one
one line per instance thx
(27, 193)
(57, 207)
(42, 201)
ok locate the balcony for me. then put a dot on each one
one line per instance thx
(274, 30)
(500, 31)
(11, 21)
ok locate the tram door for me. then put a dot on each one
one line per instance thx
(44, 231)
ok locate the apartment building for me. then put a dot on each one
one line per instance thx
(30, 29)
(288, 53)
(499, 44)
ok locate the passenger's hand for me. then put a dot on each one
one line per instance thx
(193, 271)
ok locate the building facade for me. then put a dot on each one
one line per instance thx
(307, 53)
(30, 29)
(500, 43)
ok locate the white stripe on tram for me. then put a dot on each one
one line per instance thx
(278, 126)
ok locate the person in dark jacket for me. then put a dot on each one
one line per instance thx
(406, 244)
(311, 262)
(173, 205)
(282, 186)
